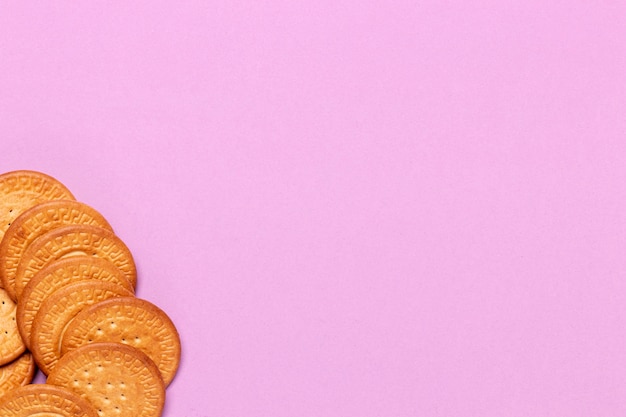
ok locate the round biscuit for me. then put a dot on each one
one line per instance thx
(115, 378)
(43, 400)
(58, 310)
(17, 373)
(33, 223)
(11, 344)
(131, 321)
(20, 190)
(57, 275)
(74, 240)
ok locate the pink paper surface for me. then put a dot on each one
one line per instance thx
(349, 208)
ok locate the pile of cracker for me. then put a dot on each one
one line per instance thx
(69, 308)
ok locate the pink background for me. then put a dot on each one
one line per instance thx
(349, 208)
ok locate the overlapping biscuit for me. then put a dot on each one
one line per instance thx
(17, 373)
(43, 400)
(116, 379)
(20, 190)
(35, 222)
(57, 311)
(58, 258)
(57, 275)
(70, 241)
(130, 321)
(11, 344)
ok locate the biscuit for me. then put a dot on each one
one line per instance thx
(70, 241)
(33, 223)
(11, 344)
(44, 400)
(20, 190)
(59, 274)
(58, 258)
(130, 321)
(57, 311)
(116, 379)
(17, 373)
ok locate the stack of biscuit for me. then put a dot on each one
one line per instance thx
(68, 307)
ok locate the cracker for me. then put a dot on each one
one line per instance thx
(70, 241)
(17, 373)
(57, 311)
(115, 378)
(11, 344)
(130, 321)
(33, 223)
(59, 274)
(44, 400)
(20, 190)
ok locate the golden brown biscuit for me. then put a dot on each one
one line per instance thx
(130, 321)
(59, 274)
(33, 223)
(43, 400)
(57, 311)
(58, 258)
(20, 190)
(74, 240)
(11, 344)
(115, 378)
(17, 373)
